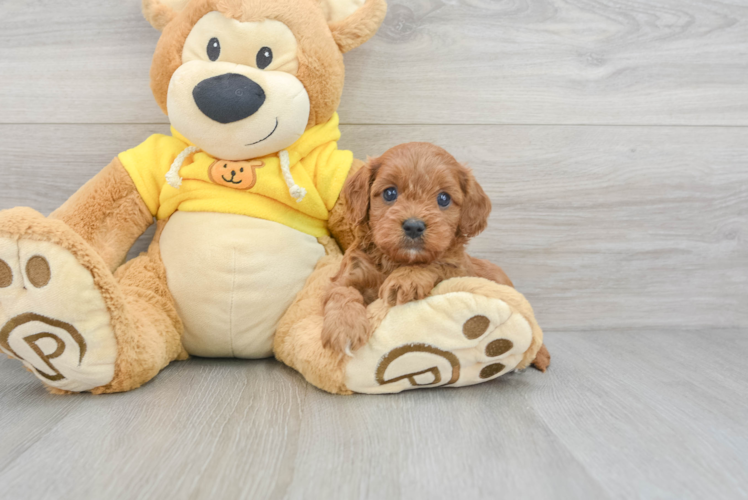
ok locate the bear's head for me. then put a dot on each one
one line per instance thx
(241, 79)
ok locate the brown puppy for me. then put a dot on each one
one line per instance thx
(413, 209)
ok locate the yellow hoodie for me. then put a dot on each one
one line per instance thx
(257, 188)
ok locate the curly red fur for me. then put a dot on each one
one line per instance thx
(384, 261)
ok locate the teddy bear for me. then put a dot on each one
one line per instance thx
(246, 197)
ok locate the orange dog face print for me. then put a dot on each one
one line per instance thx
(235, 174)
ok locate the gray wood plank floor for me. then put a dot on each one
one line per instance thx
(612, 137)
(633, 415)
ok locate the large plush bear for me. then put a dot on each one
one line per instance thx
(245, 193)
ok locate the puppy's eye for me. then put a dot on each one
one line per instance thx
(264, 57)
(444, 200)
(214, 49)
(390, 194)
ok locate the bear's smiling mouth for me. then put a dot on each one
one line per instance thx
(230, 180)
(268, 136)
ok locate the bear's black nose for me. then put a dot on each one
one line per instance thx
(228, 98)
(414, 228)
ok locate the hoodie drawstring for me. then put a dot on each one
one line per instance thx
(175, 180)
(172, 176)
(297, 192)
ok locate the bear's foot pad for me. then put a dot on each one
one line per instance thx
(455, 339)
(53, 317)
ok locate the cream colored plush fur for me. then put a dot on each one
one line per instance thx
(216, 306)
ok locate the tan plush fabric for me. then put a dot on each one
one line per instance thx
(69, 344)
(321, 68)
(142, 317)
(160, 12)
(152, 336)
(298, 342)
(335, 10)
(360, 26)
(108, 213)
(284, 114)
(471, 339)
(514, 299)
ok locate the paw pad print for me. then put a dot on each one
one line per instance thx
(53, 318)
(437, 342)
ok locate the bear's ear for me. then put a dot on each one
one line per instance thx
(335, 10)
(359, 25)
(160, 12)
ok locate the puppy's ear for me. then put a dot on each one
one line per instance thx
(358, 27)
(476, 207)
(161, 12)
(357, 192)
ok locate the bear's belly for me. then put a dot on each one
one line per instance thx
(232, 278)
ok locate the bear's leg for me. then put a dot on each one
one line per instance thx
(70, 321)
(468, 331)
(155, 338)
(298, 339)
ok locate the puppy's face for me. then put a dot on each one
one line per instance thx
(419, 202)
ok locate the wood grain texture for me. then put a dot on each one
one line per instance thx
(608, 227)
(602, 227)
(553, 61)
(612, 137)
(434, 61)
(641, 414)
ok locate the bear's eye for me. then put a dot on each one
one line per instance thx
(241, 170)
(444, 200)
(214, 49)
(390, 194)
(264, 57)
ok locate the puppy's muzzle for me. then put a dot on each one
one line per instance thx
(228, 98)
(414, 228)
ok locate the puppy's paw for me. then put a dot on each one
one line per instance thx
(398, 290)
(345, 331)
(346, 326)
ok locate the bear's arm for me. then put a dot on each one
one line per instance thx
(340, 226)
(108, 212)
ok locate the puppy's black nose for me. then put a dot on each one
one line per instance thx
(228, 98)
(414, 228)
